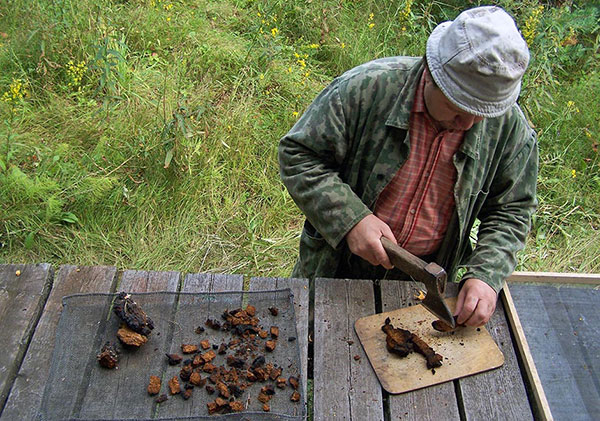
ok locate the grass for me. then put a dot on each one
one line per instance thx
(147, 136)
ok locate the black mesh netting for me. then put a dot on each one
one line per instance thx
(79, 388)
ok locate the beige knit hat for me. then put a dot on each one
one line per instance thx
(478, 60)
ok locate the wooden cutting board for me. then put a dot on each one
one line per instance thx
(467, 351)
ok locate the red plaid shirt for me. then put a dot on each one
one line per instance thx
(418, 203)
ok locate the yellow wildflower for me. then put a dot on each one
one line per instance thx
(405, 13)
(295, 113)
(314, 46)
(530, 28)
(261, 76)
(573, 173)
(75, 73)
(371, 25)
(17, 90)
(343, 45)
(301, 62)
(274, 31)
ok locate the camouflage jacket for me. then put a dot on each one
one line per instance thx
(351, 141)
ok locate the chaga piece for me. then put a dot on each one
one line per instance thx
(397, 340)
(263, 334)
(174, 359)
(185, 372)
(196, 379)
(274, 310)
(293, 381)
(258, 362)
(128, 337)
(442, 326)
(261, 374)
(223, 390)
(188, 348)
(208, 356)
(275, 372)
(216, 406)
(209, 368)
(274, 332)
(213, 324)
(250, 310)
(295, 396)
(263, 397)
(236, 406)
(280, 382)
(199, 330)
(197, 361)
(268, 390)
(132, 314)
(154, 385)
(222, 349)
(108, 356)
(205, 344)
(266, 407)
(270, 345)
(209, 389)
(161, 398)
(235, 362)
(433, 360)
(174, 386)
(403, 342)
(188, 391)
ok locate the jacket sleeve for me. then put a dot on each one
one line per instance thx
(310, 157)
(506, 217)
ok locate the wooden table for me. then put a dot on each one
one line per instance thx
(343, 388)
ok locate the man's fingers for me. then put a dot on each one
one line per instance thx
(468, 308)
(481, 315)
(459, 302)
(386, 232)
(383, 257)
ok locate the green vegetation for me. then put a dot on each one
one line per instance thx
(143, 133)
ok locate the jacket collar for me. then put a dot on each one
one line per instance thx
(399, 116)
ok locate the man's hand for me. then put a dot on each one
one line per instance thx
(476, 303)
(364, 240)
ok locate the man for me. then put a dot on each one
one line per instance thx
(415, 150)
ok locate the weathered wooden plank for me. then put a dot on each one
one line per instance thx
(499, 393)
(22, 298)
(434, 403)
(131, 396)
(300, 290)
(561, 326)
(211, 282)
(344, 388)
(533, 379)
(148, 281)
(26, 394)
(555, 277)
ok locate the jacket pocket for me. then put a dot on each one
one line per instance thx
(317, 258)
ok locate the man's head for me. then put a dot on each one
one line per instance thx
(478, 60)
(448, 115)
